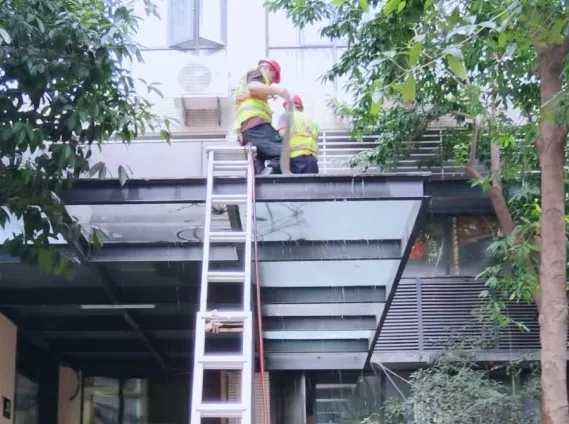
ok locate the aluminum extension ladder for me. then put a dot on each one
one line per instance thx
(230, 161)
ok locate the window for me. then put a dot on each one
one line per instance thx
(197, 23)
(430, 253)
(26, 401)
(111, 401)
(471, 238)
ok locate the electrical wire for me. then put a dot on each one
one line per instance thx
(258, 301)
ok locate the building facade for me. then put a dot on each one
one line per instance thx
(345, 285)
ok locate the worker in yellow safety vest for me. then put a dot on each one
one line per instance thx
(303, 139)
(254, 116)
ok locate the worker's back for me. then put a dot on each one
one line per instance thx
(303, 135)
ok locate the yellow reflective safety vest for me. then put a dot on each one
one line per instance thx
(249, 106)
(303, 136)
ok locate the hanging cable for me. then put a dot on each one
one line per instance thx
(258, 302)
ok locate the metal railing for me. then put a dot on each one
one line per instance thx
(337, 150)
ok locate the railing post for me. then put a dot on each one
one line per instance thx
(324, 154)
(420, 332)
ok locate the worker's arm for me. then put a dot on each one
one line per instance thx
(257, 87)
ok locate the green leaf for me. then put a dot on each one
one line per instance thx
(409, 89)
(401, 6)
(364, 4)
(5, 36)
(511, 49)
(96, 169)
(45, 260)
(503, 39)
(123, 176)
(390, 7)
(457, 67)
(414, 53)
(339, 2)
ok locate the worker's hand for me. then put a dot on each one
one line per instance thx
(240, 139)
(283, 92)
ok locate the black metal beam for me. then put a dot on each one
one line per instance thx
(217, 344)
(303, 295)
(277, 188)
(317, 250)
(173, 295)
(457, 198)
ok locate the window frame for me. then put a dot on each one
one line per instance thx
(196, 42)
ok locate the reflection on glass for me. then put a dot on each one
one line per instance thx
(429, 253)
(26, 401)
(135, 401)
(101, 401)
(472, 237)
(106, 402)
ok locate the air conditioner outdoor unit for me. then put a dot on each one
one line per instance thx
(191, 82)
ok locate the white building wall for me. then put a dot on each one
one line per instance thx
(303, 57)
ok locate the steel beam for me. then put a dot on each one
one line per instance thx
(322, 295)
(276, 188)
(315, 346)
(316, 361)
(174, 295)
(323, 310)
(301, 250)
(331, 324)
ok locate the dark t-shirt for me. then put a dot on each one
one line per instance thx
(257, 76)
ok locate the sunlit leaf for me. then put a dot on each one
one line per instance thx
(414, 53)
(391, 6)
(409, 89)
(364, 4)
(457, 67)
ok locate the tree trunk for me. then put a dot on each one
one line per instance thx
(552, 269)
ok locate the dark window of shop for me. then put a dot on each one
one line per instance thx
(452, 246)
(113, 401)
(26, 400)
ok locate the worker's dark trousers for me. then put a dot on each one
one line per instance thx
(268, 142)
(306, 164)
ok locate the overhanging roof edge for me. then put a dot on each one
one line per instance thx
(391, 295)
(276, 188)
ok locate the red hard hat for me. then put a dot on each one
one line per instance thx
(296, 100)
(275, 65)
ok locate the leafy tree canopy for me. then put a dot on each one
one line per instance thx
(65, 88)
(411, 63)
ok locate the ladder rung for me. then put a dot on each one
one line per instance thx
(225, 315)
(221, 410)
(223, 362)
(229, 199)
(228, 236)
(226, 277)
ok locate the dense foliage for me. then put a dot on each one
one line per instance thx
(411, 63)
(455, 390)
(65, 88)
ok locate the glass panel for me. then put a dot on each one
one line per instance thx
(369, 220)
(101, 401)
(135, 401)
(472, 237)
(181, 18)
(153, 30)
(430, 253)
(282, 32)
(26, 401)
(148, 223)
(365, 220)
(211, 21)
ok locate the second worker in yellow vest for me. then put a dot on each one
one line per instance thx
(303, 139)
(254, 116)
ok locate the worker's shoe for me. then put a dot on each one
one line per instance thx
(268, 171)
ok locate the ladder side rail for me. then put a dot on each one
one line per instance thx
(249, 233)
(198, 372)
(207, 230)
